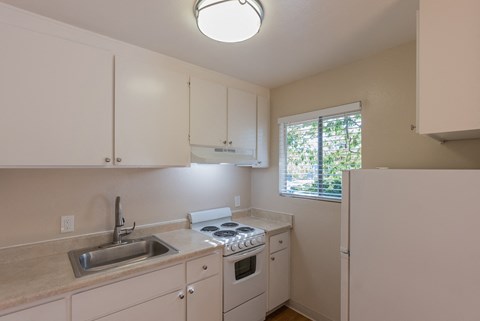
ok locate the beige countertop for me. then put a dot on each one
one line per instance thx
(36, 272)
(24, 281)
(271, 222)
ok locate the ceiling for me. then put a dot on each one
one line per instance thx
(298, 38)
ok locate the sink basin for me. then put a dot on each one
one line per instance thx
(100, 258)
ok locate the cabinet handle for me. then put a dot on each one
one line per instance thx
(181, 295)
(204, 267)
(191, 290)
(118, 159)
(272, 258)
(108, 160)
(230, 142)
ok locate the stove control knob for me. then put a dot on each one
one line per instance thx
(240, 245)
(246, 243)
(233, 248)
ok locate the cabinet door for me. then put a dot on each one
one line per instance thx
(242, 119)
(204, 300)
(263, 132)
(57, 101)
(53, 311)
(208, 113)
(126, 293)
(151, 115)
(279, 278)
(449, 69)
(169, 307)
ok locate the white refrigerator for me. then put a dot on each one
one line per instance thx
(410, 245)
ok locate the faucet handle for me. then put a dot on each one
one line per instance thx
(126, 231)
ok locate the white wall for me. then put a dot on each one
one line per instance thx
(32, 201)
(385, 83)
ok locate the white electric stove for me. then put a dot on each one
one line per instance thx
(218, 224)
(244, 263)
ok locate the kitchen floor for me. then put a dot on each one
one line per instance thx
(286, 314)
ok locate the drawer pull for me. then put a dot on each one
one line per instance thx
(205, 267)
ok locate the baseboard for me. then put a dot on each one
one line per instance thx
(303, 310)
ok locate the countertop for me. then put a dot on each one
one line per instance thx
(271, 222)
(36, 272)
(27, 280)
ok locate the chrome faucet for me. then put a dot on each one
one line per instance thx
(120, 232)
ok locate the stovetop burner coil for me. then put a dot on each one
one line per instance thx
(209, 228)
(225, 233)
(245, 229)
(229, 224)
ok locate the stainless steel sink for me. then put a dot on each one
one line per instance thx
(100, 258)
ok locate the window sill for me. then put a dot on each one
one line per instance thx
(314, 198)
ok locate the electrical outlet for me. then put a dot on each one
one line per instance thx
(67, 224)
(237, 201)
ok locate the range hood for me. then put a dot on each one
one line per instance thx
(219, 155)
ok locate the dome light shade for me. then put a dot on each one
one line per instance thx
(229, 20)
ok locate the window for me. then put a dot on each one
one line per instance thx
(316, 147)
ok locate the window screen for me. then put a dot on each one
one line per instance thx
(315, 148)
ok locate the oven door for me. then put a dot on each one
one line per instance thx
(244, 277)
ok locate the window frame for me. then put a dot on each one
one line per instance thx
(355, 107)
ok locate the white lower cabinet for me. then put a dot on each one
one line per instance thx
(188, 291)
(167, 307)
(279, 270)
(53, 311)
(204, 300)
(120, 296)
(204, 291)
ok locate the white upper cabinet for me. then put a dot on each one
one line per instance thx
(221, 117)
(208, 113)
(242, 119)
(263, 132)
(448, 105)
(56, 99)
(151, 115)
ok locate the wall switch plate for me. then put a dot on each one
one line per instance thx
(67, 224)
(237, 201)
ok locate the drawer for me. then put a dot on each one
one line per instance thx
(203, 267)
(279, 242)
(113, 297)
(53, 311)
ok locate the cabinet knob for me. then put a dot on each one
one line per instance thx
(107, 160)
(181, 295)
(281, 241)
(272, 258)
(191, 290)
(204, 267)
(224, 142)
(118, 159)
(230, 142)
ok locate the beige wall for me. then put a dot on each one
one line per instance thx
(32, 201)
(385, 83)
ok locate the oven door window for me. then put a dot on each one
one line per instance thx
(245, 267)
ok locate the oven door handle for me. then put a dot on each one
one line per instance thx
(240, 256)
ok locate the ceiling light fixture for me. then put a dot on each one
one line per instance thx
(229, 20)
